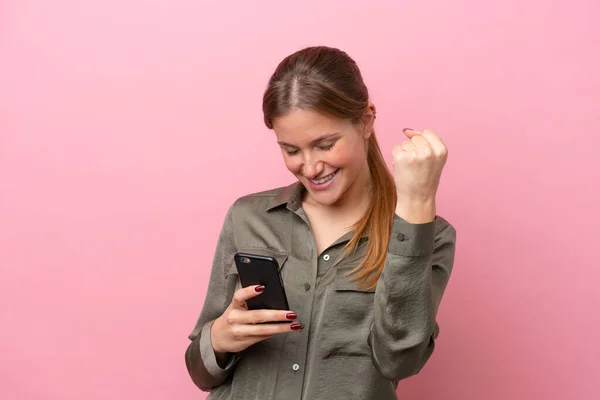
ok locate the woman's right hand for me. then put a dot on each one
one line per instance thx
(239, 328)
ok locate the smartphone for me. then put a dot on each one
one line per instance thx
(255, 269)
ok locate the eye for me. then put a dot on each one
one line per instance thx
(291, 153)
(327, 147)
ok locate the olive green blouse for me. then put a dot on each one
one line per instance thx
(355, 344)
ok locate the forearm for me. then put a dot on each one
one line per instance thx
(408, 295)
(207, 368)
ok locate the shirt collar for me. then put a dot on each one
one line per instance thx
(290, 195)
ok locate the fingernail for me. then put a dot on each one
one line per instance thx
(259, 288)
(407, 129)
(296, 326)
(291, 315)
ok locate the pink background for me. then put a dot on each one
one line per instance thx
(128, 127)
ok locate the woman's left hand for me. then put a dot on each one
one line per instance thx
(418, 164)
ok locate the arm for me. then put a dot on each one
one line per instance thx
(408, 294)
(207, 369)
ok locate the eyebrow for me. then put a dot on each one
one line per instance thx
(315, 141)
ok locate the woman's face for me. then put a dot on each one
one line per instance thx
(327, 155)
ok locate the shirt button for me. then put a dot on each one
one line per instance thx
(307, 287)
(326, 257)
(401, 237)
(295, 367)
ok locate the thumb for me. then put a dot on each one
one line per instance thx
(410, 133)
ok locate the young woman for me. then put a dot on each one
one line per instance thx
(364, 258)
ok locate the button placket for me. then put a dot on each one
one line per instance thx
(296, 345)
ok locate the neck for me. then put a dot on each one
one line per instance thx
(358, 194)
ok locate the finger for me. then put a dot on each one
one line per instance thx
(253, 330)
(410, 133)
(436, 142)
(397, 149)
(251, 340)
(262, 316)
(402, 152)
(408, 146)
(241, 295)
(421, 144)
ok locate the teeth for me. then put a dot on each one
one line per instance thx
(323, 180)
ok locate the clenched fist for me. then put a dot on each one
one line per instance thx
(418, 163)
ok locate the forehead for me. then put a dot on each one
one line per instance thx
(299, 126)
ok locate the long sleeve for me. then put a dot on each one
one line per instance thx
(200, 359)
(419, 262)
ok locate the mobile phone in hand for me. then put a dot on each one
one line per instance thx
(255, 269)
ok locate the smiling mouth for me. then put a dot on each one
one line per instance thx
(324, 179)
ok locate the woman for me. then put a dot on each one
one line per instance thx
(364, 258)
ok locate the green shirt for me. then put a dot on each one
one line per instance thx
(355, 344)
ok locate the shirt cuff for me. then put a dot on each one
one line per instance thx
(412, 240)
(209, 358)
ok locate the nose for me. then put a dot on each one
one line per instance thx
(312, 167)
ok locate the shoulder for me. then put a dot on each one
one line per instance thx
(258, 202)
(264, 195)
(258, 219)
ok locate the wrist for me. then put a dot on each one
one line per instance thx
(416, 211)
(220, 355)
(213, 341)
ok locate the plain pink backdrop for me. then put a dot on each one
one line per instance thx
(128, 127)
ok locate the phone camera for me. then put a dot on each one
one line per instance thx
(245, 260)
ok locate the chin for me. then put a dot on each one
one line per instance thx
(324, 198)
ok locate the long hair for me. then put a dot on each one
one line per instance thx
(327, 80)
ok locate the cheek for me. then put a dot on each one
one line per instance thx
(345, 157)
(292, 164)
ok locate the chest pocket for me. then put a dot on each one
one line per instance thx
(343, 279)
(348, 314)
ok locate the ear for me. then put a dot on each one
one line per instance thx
(368, 120)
